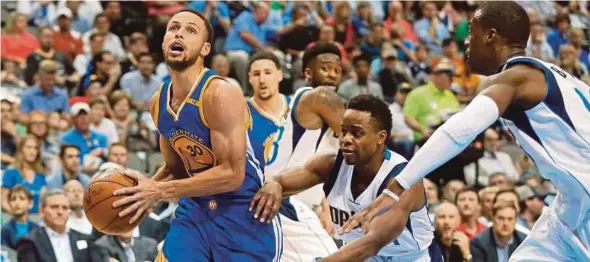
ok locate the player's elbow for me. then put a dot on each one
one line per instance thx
(235, 177)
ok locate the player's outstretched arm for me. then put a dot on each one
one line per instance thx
(383, 229)
(267, 200)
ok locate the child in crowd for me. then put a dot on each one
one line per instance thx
(20, 200)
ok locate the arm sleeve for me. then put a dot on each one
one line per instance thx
(450, 139)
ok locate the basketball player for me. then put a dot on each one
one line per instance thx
(203, 122)
(304, 238)
(354, 177)
(547, 111)
(314, 118)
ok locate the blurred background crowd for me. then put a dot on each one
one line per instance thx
(77, 75)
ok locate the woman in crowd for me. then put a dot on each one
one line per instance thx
(17, 42)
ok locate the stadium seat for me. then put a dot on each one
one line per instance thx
(136, 163)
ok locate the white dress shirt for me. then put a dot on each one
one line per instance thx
(61, 245)
(81, 225)
(489, 164)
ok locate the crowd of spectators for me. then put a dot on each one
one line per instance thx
(77, 76)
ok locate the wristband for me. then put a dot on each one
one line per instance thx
(391, 194)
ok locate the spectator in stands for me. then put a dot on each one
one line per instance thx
(246, 36)
(11, 77)
(65, 70)
(112, 9)
(112, 43)
(371, 45)
(469, 206)
(54, 241)
(138, 45)
(17, 41)
(363, 20)
(55, 126)
(141, 84)
(94, 89)
(99, 107)
(450, 190)
(432, 195)
(82, 63)
(396, 20)
(532, 206)
(362, 84)
(560, 35)
(451, 53)
(105, 69)
(124, 120)
(454, 244)
(420, 69)
(535, 181)
(430, 29)
(125, 247)
(218, 14)
(405, 48)
(427, 105)
(492, 161)
(220, 65)
(525, 166)
(118, 154)
(537, 45)
(327, 35)
(77, 221)
(92, 144)
(27, 171)
(20, 201)
(487, 196)
(79, 23)
(577, 41)
(45, 95)
(393, 73)
(468, 84)
(67, 40)
(568, 61)
(341, 21)
(38, 127)
(500, 180)
(401, 134)
(69, 156)
(9, 135)
(498, 242)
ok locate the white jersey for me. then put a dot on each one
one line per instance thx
(555, 134)
(295, 145)
(416, 238)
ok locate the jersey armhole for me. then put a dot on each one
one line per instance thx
(329, 183)
(155, 110)
(393, 173)
(294, 107)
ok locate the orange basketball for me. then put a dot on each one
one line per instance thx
(99, 199)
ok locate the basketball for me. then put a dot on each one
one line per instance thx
(99, 199)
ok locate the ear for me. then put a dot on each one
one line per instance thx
(280, 72)
(205, 50)
(491, 36)
(308, 74)
(381, 137)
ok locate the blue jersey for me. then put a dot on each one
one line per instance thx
(189, 135)
(264, 130)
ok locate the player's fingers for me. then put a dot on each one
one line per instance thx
(128, 210)
(138, 214)
(275, 210)
(126, 201)
(260, 206)
(126, 191)
(352, 222)
(267, 213)
(254, 200)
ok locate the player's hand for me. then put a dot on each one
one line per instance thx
(381, 204)
(267, 201)
(141, 197)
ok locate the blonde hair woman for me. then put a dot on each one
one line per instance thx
(27, 170)
(17, 42)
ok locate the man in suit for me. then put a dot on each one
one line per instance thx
(54, 242)
(498, 242)
(126, 248)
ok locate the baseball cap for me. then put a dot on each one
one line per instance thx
(389, 53)
(526, 192)
(444, 66)
(404, 86)
(77, 108)
(64, 12)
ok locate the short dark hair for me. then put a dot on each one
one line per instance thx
(313, 52)
(465, 190)
(99, 16)
(510, 190)
(99, 57)
(142, 54)
(508, 18)
(205, 20)
(496, 207)
(264, 55)
(64, 147)
(362, 57)
(95, 101)
(93, 36)
(562, 16)
(20, 189)
(376, 107)
(447, 42)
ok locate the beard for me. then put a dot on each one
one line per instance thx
(182, 65)
(319, 81)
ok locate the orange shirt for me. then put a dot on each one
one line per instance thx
(470, 82)
(17, 46)
(68, 44)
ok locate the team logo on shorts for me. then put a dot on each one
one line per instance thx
(196, 156)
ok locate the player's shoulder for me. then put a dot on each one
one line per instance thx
(322, 95)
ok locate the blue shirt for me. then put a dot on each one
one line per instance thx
(13, 231)
(422, 28)
(58, 180)
(139, 87)
(555, 40)
(86, 145)
(244, 23)
(36, 99)
(13, 177)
